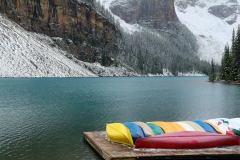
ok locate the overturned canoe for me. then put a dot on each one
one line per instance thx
(147, 130)
(186, 126)
(176, 127)
(195, 126)
(188, 140)
(118, 133)
(237, 120)
(232, 124)
(214, 126)
(219, 125)
(135, 130)
(156, 129)
(164, 125)
(205, 126)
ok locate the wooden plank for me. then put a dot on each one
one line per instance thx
(113, 151)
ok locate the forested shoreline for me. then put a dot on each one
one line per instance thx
(229, 71)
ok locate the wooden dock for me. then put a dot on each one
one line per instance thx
(112, 151)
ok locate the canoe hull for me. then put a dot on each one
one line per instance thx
(156, 129)
(224, 129)
(118, 133)
(135, 130)
(188, 140)
(205, 126)
(146, 129)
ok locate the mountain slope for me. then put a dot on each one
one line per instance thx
(68, 19)
(159, 41)
(27, 54)
(23, 54)
(212, 22)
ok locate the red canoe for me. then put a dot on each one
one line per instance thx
(188, 140)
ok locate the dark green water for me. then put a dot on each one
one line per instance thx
(43, 119)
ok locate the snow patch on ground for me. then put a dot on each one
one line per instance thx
(191, 74)
(167, 73)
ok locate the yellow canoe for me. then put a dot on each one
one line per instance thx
(165, 126)
(176, 127)
(118, 133)
(146, 129)
(214, 126)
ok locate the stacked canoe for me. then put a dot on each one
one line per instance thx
(177, 135)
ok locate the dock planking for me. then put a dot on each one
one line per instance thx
(113, 151)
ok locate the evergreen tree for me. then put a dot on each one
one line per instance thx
(230, 69)
(212, 75)
(232, 55)
(236, 57)
(226, 65)
(104, 57)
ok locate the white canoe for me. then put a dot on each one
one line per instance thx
(196, 126)
(237, 120)
(147, 130)
(186, 126)
(232, 123)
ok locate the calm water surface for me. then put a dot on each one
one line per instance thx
(43, 119)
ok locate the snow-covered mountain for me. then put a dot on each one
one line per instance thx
(27, 54)
(212, 22)
(176, 47)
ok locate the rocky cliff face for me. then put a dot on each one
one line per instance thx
(78, 24)
(226, 10)
(154, 14)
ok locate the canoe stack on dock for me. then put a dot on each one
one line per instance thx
(176, 135)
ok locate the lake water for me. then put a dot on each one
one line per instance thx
(43, 119)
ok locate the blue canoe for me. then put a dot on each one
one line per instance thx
(205, 126)
(136, 131)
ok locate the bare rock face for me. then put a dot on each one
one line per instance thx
(78, 24)
(154, 14)
(224, 11)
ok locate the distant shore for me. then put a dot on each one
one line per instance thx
(226, 82)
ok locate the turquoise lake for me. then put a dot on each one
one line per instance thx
(43, 119)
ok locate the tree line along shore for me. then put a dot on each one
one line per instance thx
(229, 71)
